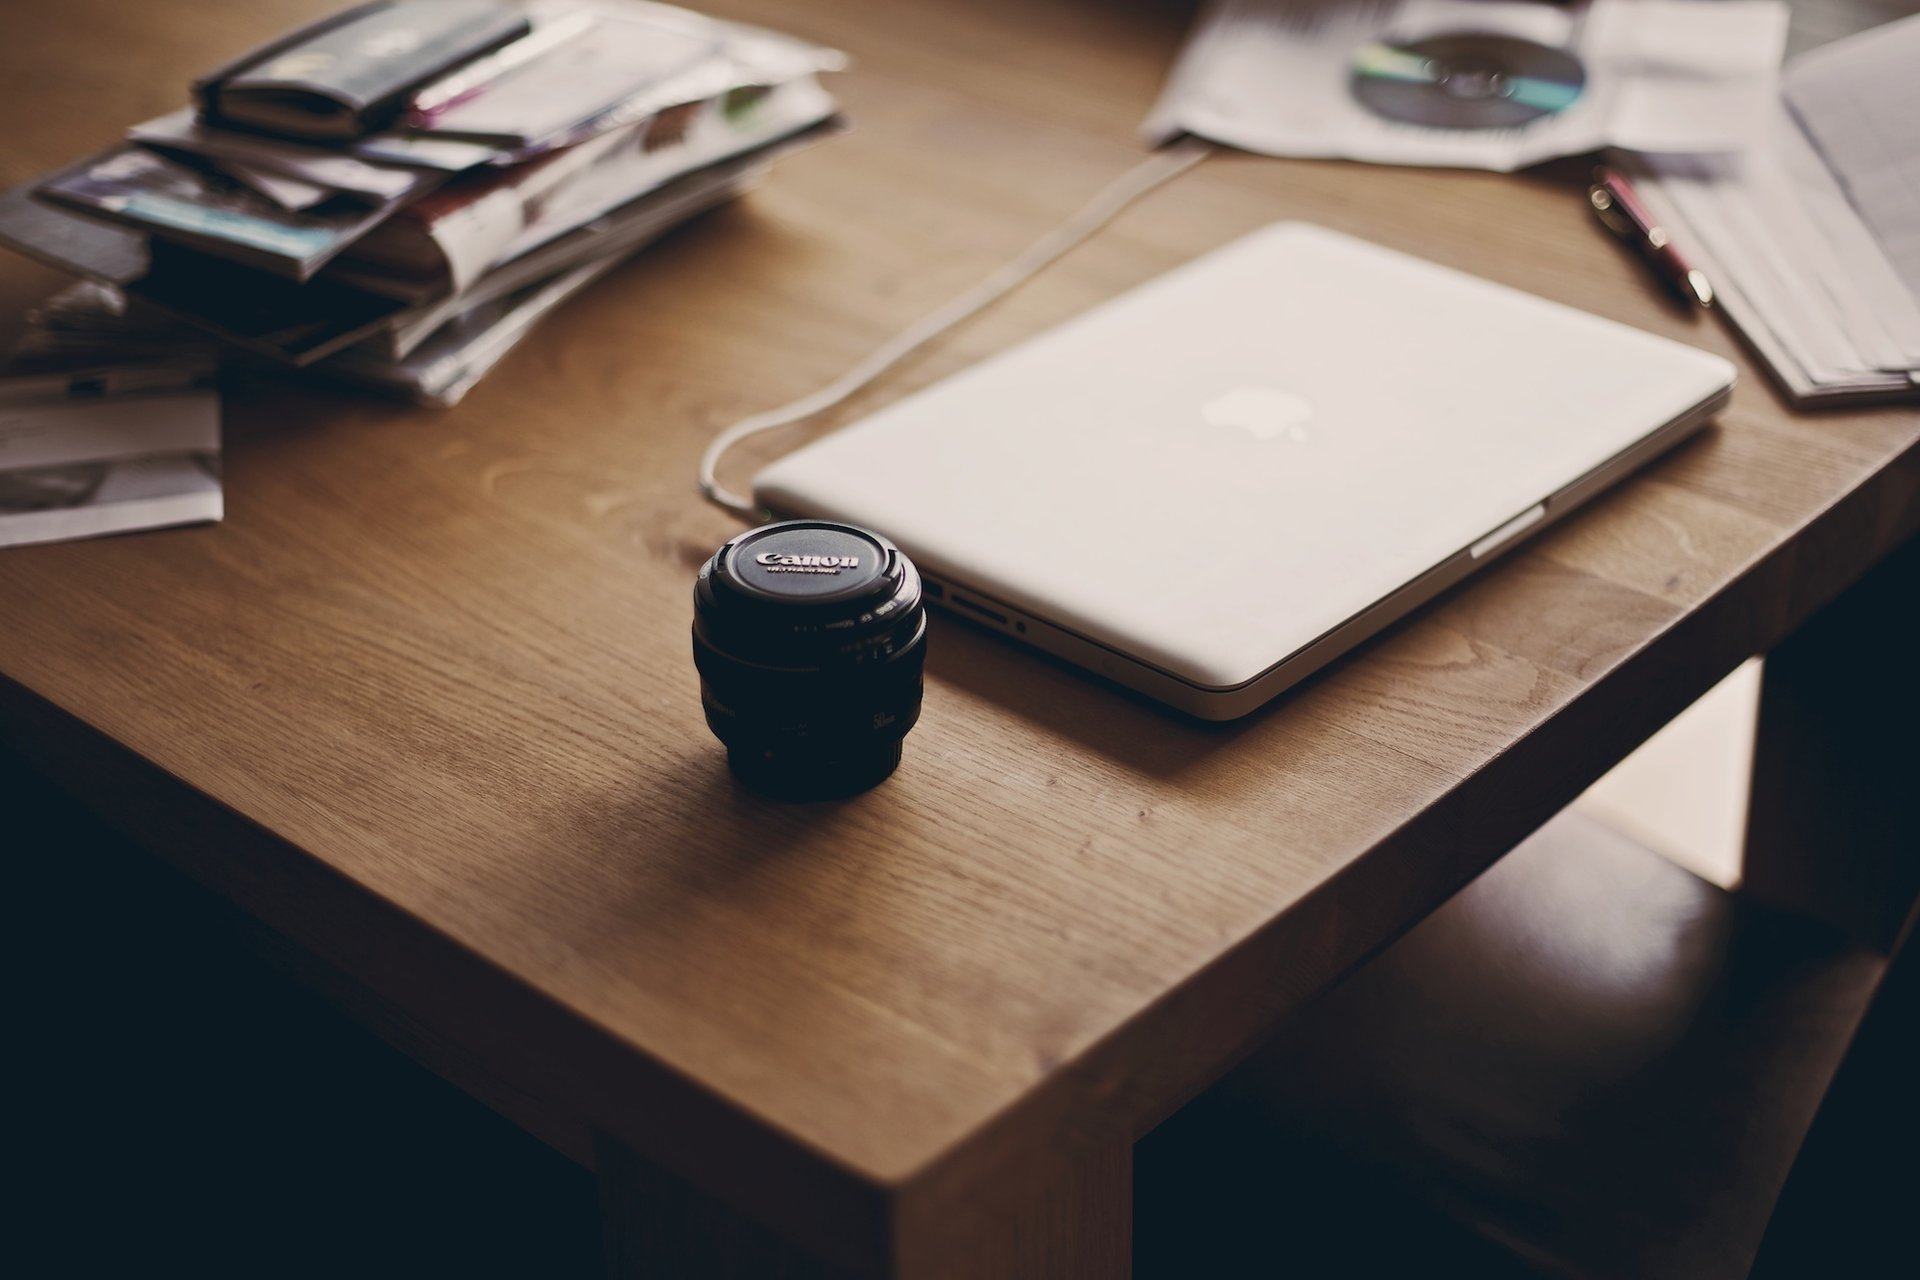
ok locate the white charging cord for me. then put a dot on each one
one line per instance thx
(1161, 167)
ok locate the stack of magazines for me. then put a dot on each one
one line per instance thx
(395, 194)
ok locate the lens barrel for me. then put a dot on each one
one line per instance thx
(810, 639)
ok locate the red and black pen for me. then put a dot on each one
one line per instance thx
(1622, 212)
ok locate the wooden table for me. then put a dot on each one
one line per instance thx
(424, 702)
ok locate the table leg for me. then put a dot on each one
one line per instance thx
(1060, 1218)
(1833, 827)
(1066, 1214)
(656, 1227)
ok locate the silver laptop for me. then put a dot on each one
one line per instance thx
(1211, 486)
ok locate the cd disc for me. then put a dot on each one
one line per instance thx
(1466, 81)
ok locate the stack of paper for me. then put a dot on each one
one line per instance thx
(108, 449)
(323, 204)
(1812, 241)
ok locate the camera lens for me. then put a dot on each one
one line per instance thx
(810, 639)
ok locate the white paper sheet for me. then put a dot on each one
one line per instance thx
(75, 468)
(1859, 102)
(1812, 240)
(1276, 76)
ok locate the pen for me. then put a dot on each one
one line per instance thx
(1621, 211)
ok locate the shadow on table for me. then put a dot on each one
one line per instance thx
(1127, 727)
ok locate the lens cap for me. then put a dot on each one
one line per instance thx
(808, 561)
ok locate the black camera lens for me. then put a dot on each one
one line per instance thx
(810, 638)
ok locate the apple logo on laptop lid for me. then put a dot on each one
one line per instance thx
(1266, 413)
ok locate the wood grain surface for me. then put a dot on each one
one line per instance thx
(424, 702)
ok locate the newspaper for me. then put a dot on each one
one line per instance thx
(1480, 84)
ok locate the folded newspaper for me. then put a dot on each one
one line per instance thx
(1482, 84)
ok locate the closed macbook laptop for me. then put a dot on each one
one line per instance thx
(1210, 486)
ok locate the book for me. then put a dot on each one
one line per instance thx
(352, 73)
(180, 134)
(255, 311)
(212, 212)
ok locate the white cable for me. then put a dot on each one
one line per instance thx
(1161, 167)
